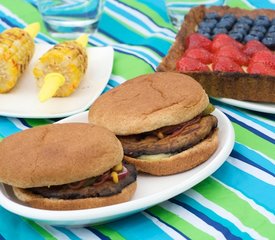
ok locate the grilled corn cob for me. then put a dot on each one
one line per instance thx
(60, 70)
(16, 51)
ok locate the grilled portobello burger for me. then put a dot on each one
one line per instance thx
(66, 166)
(163, 121)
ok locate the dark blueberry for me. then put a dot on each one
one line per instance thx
(271, 29)
(204, 30)
(236, 35)
(244, 26)
(258, 29)
(239, 29)
(219, 30)
(211, 23)
(246, 19)
(256, 33)
(262, 21)
(225, 24)
(211, 15)
(270, 34)
(269, 42)
(273, 21)
(230, 17)
(250, 37)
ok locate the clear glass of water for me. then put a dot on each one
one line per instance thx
(70, 18)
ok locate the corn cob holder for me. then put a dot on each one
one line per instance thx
(60, 70)
(16, 51)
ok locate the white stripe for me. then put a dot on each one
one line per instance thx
(59, 235)
(192, 219)
(17, 123)
(170, 231)
(255, 172)
(267, 121)
(255, 206)
(118, 79)
(250, 123)
(155, 28)
(137, 27)
(223, 213)
(83, 233)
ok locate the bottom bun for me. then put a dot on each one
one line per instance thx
(38, 201)
(180, 162)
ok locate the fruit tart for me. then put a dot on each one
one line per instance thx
(229, 51)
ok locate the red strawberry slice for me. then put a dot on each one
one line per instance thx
(221, 40)
(265, 57)
(260, 68)
(253, 46)
(200, 54)
(196, 40)
(234, 53)
(225, 64)
(186, 64)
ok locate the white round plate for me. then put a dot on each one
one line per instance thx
(254, 106)
(22, 101)
(151, 190)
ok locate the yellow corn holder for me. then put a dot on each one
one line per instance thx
(60, 70)
(16, 50)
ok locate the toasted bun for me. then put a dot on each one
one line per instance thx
(38, 201)
(57, 154)
(149, 102)
(180, 162)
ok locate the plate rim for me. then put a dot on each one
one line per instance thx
(135, 205)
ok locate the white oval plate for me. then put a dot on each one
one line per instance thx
(22, 101)
(254, 106)
(151, 190)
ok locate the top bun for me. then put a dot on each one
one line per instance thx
(149, 102)
(57, 154)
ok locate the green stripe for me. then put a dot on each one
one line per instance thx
(238, 3)
(241, 209)
(124, 65)
(149, 12)
(37, 122)
(245, 137)
(108, 232)
(45, 234)
(181, 225)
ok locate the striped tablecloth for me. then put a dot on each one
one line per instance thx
(236, 202)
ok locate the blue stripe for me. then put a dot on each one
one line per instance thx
(254, 156)
(262, 3)
(68, 233)
(13, 227)
(12, 22)
(98, 233)
(1, 237)
(167, 224)
(238, 155)
(190, 4)
(143, 228)
(227, 225)
(113, 83)
(247, 184)
(219, 227)
(7, 127)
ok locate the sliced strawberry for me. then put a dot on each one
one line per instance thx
(221, 40)
(225, 64)
(253, 46)
(234, 53)
(260, 68)
(196, 40)
(186, 64)
(266, 57)
(200, 54)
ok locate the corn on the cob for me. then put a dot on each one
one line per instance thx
(16, 51)
(60, 70)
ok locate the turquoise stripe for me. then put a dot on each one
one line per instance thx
(158, 6)
(211, 214)
(113, 83)
(138, 227)
(68, 233)
(254, 157)
(7, 127)
(13, 227)
(248, 185)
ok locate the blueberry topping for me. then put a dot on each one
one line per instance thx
(272, 28)
(270, 34)
(244, 26)
(236, 35)
(246, 19)
(211, 15)
(260, 35)
(211, 23)
(229, 17)
(204, 30)
(224, 24)
(240, 30)
(262, 21)
(219, 30)
(273, 21)
(269, 42)
(250, 37)
(258, 29)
